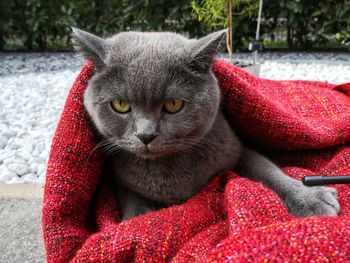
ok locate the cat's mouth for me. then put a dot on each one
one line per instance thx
(154, 151)
(147, 153)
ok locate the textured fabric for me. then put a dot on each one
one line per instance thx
(304, 124)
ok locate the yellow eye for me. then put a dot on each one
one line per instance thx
(121, 106)
(173, 105)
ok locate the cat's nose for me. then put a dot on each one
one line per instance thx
(146, 138)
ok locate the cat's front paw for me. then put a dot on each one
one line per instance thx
(306, 201)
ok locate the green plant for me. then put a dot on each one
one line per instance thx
(267, 43)
(309, 22)
(218, 14)
(343, 37)
(45, 24)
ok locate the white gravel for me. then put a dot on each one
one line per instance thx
(33, 88)
(306, 70)
(30, 106)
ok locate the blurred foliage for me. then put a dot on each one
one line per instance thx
(216, 15)
(306, 23)
(45, 24)
(343, 37)
(309, 23)
(213, 13)
(42, 24)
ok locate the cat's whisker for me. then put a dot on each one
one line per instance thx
(100, 144)
(113, 149)
(205, 141)
(182, 145)
(193, 142)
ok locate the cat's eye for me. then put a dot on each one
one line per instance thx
(121, 106)
(173, 105)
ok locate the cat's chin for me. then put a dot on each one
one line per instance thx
(148, 154)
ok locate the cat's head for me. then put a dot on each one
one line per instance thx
(152, 94)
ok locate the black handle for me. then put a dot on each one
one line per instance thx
(322, 180)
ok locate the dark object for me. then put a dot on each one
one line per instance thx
(146, 138)
(322, 180)
(255, 46)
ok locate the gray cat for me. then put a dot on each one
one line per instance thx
(156, 103)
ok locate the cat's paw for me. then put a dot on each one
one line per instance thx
(306, 201)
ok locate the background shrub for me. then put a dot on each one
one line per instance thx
(309, 23)
(45, 24)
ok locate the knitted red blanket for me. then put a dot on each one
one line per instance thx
(305, 123)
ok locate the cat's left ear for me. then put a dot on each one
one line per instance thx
(90, 47)
(204, 49)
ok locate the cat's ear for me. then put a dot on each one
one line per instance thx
(204, 49)
(90, 47)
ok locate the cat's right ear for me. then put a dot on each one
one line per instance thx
(204, 49)
(90, 47)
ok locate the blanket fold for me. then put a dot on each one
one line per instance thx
(306, 124)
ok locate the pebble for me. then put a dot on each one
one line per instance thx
(41, 169)
(25, 154)
(3, 142)
(6, 174)
(19, 168)
(33, 168)
(30, 178)
(8, 134)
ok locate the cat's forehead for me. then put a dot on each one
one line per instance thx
(134, 47)
(132, 39)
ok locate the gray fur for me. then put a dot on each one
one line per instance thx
(188, 147)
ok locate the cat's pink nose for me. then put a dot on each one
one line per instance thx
(146, 138)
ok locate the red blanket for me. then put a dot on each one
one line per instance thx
(305, 123)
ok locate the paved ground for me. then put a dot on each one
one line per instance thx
(20, 225)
